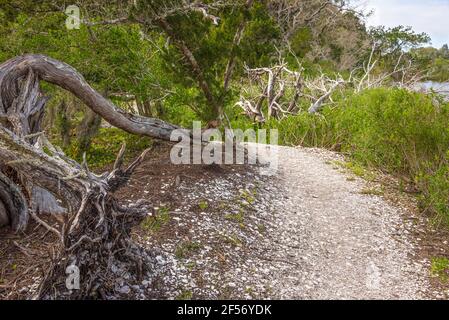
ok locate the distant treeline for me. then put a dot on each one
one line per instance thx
(436, 61)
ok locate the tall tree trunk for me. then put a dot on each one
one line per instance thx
(216, 107)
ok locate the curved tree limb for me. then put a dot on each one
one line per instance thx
(96, 233)
(63, 75)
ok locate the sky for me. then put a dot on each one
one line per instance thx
(429, 16)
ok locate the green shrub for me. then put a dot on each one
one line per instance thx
(396, 130)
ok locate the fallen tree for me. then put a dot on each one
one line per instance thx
(272, 84)
(22, 106)
(94, 235)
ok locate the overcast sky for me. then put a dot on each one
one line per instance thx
(429, 16)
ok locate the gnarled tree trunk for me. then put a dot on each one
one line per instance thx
(95, 234)
(22, 108)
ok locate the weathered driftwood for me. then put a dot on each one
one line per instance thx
(4, 217)
(273, 83)
(13, 206)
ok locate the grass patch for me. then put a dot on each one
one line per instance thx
(372, 191)
(440, 268)
(356, 169)
(184, 249)
(154, 224)
(247, 196)
(236, 217)
(203, 204)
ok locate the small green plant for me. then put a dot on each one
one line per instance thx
(185, 295)
(236, 217)
(356, 169)
(154, 224)
(372, 191)
(190, 265)
(440, 268)
(186, 248)
(203, 204)
(245, 195)
(249, 290)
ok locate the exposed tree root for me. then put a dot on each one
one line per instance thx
(95, 233)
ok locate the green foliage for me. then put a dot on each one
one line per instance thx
(440, 268)
(203, 204)
(392, 40)
(392, 47)
(436, 61)
(105, 146)
(436, 190)
(301, 42)
(236, 217)
(153, 224)
(212, 47)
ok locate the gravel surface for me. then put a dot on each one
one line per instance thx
(309, 231)
(345, 244)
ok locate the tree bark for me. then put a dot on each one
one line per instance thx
(22, 106)
(4, 217)
(13, 205)
(63, 75)
(95, 235)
